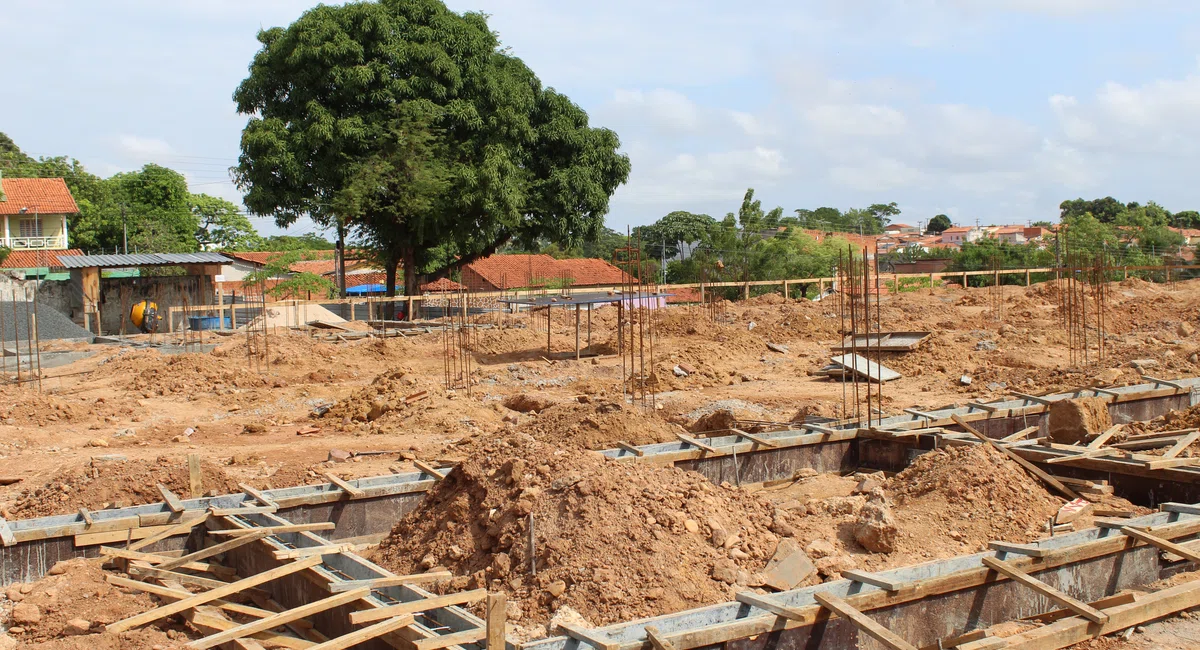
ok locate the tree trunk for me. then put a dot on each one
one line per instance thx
(409, 261)
(390, 272)
(341, 259)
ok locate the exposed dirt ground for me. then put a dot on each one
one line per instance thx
(105, 430)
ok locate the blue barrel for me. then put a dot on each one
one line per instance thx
(206, 322)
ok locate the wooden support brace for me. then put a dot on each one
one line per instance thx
(170, 497)
(630, 448)
(87, 516)
(448, 640)
(1108, 393)
(1099, 440)
(1183, 443)
(1053, 482)
(422, 605)
(428, 469)
(211, 595)
(769, 604)
(590, 638)
(325, 549)
(1034, 398)
(6, 534)
(1020, 435)
(1180, 508)
(212, 550)
(1085, 453)
(865, 624)
(244, 510)
(276, 530)
(695, 443)
(1154, 540)
(1019, 549)
(366, 634)
(758, 440)
(921, 414)
(657, 640)
(497, 619)
(353, 492)
(257, 495)
(281, 618)
(873, 579)
(210, 620)
(1163, 382)
(146, 571)
(390, 581)
(1079, 607)
(1150, 462)
(195, 484)
(157, 561)
(178, 529)
(983, 407)
(179, 594)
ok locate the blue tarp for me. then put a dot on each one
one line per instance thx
(366, 288)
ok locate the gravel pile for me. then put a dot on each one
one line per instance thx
(51, 323)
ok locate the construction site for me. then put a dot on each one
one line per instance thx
(631, 467)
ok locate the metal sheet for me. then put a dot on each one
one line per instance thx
(866, 368)
(141, 259)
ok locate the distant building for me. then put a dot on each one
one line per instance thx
(35, 212)
(502, 272)
(901, 229)
(1009, 234)
(960, 235)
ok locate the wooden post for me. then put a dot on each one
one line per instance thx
(1027, 276)
(577, 332)
(964, 279)
(746, 291)
(195, 485)
(1126, 271)
(589, 326)
(409, 313)
(820, 286)
(547, 330)
(786, 295)
(497, 618)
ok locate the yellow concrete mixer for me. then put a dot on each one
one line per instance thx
(144, 316)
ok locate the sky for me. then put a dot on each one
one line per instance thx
(986, 110)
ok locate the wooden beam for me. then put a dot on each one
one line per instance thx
(1020, 435)
(872, 579)
(590, 638)
(497, 619)
(257, 495)
(282, 618)
(6, 534)
(657, 640)
(1164, 382)
(758, 440)
(243, 510)
(1053, 482)
(865, 624)
(1183, 443)
(172, 500)
(365, 634)
(158, 560)
(448, 640)
(277, 530)
(207, 620)
(1079, 607)
(390, 581)
(210, 551)
(180, 594)
(428, 469)
(422, 605)
(1033, 398)
(630, 448)
(211, 595)
(324, 549)
(354, 492)
(183, 528)
(1165, 463)
(1180, 508)
(147, 571)
(695, 443)
(1099, 440)
(983, 407)
(1085, 453)
(87, 516)
(1182, 551)
(195, 484)
(769, 604)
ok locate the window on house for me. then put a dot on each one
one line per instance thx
(31, 228)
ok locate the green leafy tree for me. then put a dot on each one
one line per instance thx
(157, 208)
(277, 279)
(938, 224)
(523, 163)
(665, 237)
(1105, 210)
(305, 242)
(222, 225)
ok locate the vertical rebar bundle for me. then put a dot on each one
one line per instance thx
(457, 341)
(860, 319)
(635, 324)
(257, 343)
(1083, 285)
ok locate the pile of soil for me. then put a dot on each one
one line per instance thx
(43, 409)
(615, 541)
(387, 393)
(182, 374)
(972, 495)
(114, 484)
(1072, 420)
(596, 425)
(77, 593)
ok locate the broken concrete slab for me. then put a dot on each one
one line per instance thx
(775, 347)
(865, 368)
(788, 567)
(884, 341)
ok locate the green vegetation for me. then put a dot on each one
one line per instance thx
(277, 280)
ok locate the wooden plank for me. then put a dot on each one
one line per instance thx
(324, 549)
(1164, 382)
(145, 570)
(257, 495)
(983, 407)
(695, 443)
(1019, 549)
(1180, 508)
(955, 641)
(6, 534)
(211, 595)
(630, 448)
(1154, 540)
(422, 605)
(179, 594)
(1183, 443)
(352, 491)
(448, 640)
(276, 530)
(391, 581)
(87, 516)
(1053, 482)
(250, 510)
(1099, 440)
(758, 440)
(1085, 453)
(365, 634)
(173, 501)
(428, 469)
(184, 528)
(204, 619)
(497, 618)
(195, 483)
(588, 637)
(1020, 435)
(1079, 607)
(1167, 463)
(1123, 598)
(157, 561)
(279, 619)
(865, 624)
(872, 579)
(1034, 398)
(210, 551)
(769, 604)
(657, 640)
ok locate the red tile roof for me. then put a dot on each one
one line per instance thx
(370, 277)
(442, 284)
(262, 257)
(40, 195)
(513, 271)
(26, 259)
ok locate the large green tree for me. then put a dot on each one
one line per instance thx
(938, 224)
(221, 224)
(665, 237)
(522, 161)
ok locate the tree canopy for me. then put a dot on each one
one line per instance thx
(938, 224)
(520, 161)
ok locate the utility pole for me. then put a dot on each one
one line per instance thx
(664, 258)
(124, 232)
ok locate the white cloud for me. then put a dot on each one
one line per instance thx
(136, 146)
(1157, 117)
(856, 120)
(666, 109)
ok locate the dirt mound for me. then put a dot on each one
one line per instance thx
(615, 541)
(79, 592)
(43, 409)
(597, 425)
(394, 391)
(106, 484)
(975, 493)
(181, 374)
(1072, 420)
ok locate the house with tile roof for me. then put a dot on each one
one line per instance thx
(35, 213)
(502, 272)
